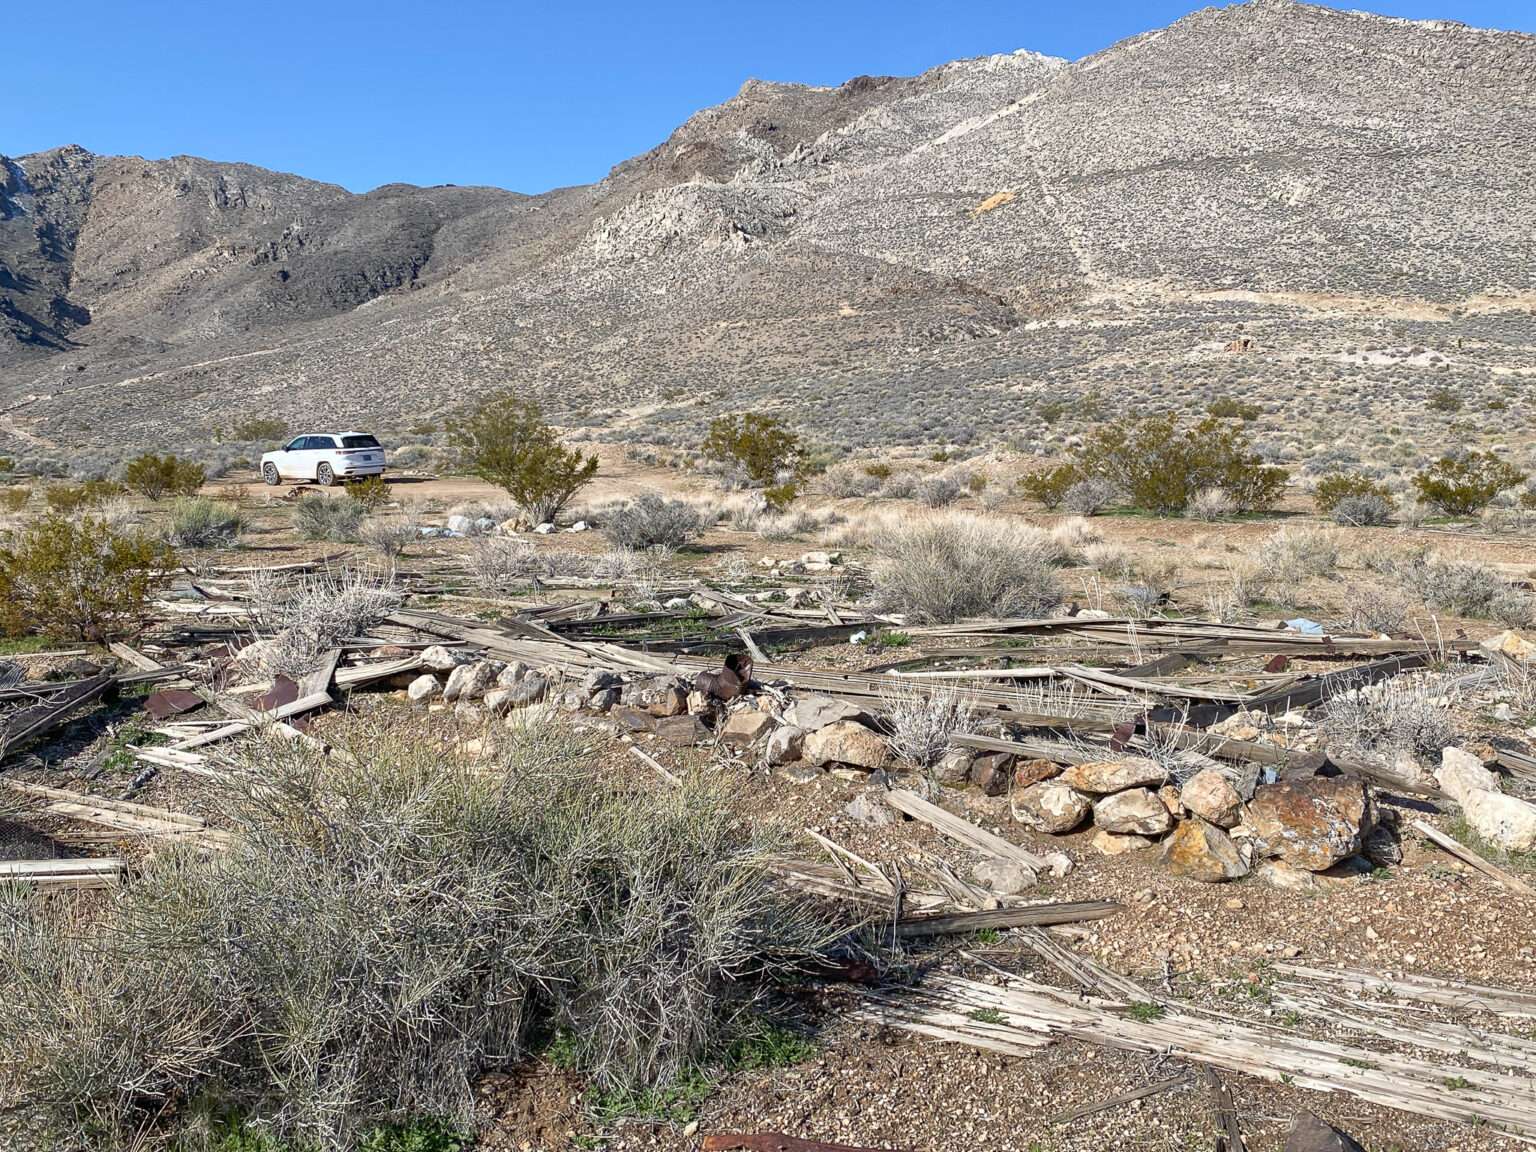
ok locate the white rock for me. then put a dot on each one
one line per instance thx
(1004, 877)
(545, 529)
(1461, 772)
(1505, 821)
(425, 687)
(459, 525)
(441, 659)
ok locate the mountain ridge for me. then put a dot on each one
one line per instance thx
(996, 227)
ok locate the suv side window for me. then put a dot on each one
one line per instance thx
(296, 444)
(321, 443)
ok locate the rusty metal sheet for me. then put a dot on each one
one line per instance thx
(168, 702)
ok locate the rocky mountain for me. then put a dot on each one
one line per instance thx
(894, 259)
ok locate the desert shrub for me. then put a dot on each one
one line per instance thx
(387, 926)
(264, 428)
(504, 440)
(78, 578)
(1463, 587)
(1289, 556)
(198, 522)
(945, 568)
(879, 470)
(1109, 559)
(310, 615)
(1464, 483)
(322, 518)
(1398, 715)
(1445, 400)
(652, 519)
(372, 492)
(1230, 408)
(760, 449)
(922, 723)
(1089, 496)
(900, 486)
(1211, 504)
(939, 491)
(844, 481)
(154, 476)
(69, 498)
(1362, 511)
(1378, 609)
(389, 536)
(499, 564)
(1049, 486)
(1161, 465)
(14, 499)
(1330, 490)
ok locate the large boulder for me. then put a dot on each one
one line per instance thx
(1004, 877)
(1312, 823)
(1050, 807)
(1211, 796)
(1102, 777)
(1504, 821)
(1461, 772)
(1203, 852)
(745, 727)
(816, 712)
(845, 742)
(786, 744)
(423, 688)
(441, 659)
(1136, 810)
(992, 772)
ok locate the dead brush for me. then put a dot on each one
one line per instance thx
(310, 615)
(947, 566)
(1410, 714)
(386, 929)
(923, 722)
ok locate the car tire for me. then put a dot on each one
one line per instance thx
(269, 475)
(325, 476)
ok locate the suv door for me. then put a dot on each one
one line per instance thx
(290, 458)
(320, 451)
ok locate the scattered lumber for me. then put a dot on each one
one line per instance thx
(1035, 1013)
(32, 722)
(122, 815)
(81, 873)
(1156, 1088)
(1022, 916)
(979, 839)
(772, 1142)
(1459, 850)
(1428, 989)
(1230, 1138)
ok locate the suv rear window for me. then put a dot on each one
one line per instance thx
(359, 442)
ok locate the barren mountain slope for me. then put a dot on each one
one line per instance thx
(899, 259)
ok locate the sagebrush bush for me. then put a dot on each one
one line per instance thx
(1404, 714)
(1464, 587)
(386, 927)
(1089, 496)
(939, 491)
(844, 481)
(1362, 511)
(372, 492)
(651, 519)
(323, 518)
(1211, 504)
(389, 536)
(1291, 555)
(198, 522)
(944, 568)
(78, 577)
(312, 613)
(154, 476)
(1464, 483)
(922, 723)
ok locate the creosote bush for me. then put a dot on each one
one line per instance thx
(943, 568)
(70, 498)
(650, 520)
(1161, 464)
(1464, 483)
(372, 492)
(154, 476)
(79, 578)
(505, 441)
(761, 451)
(1340, 486)
(385, 928)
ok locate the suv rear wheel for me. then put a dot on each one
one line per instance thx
(269, 474)
(325, 475)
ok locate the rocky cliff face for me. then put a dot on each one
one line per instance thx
(897, 258)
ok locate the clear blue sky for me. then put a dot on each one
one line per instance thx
(521, 95)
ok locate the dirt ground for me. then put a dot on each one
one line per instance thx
(869, 1086)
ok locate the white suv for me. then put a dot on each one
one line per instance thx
(324, 457)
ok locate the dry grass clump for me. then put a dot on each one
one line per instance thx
(198, 522)
(383, 931)
(1291, 555)
(390, 536)
(321, 518)
(651, 520)
(939, 569)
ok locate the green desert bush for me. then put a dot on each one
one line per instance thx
(1161, 465)
(943, 568)
(1463, 484)
(372, 492)
(759, 450)
(78, 577)
(385, 927)
(154, 476)
(1048, 486)
(651, 520)
(71, 498)
(1330, 490)
(198, 522)
(322, 518)
(15, 499)
(505, 441)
